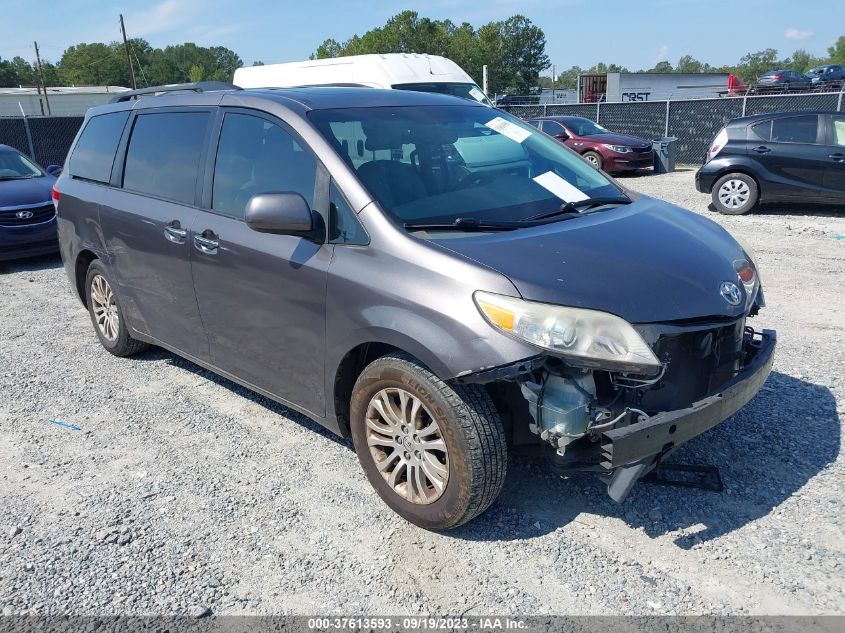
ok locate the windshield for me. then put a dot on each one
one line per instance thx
(585, 127)
(464, 91)
(14, 166)
(436, 164)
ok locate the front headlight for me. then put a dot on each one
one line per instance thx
(619, 149)
(585, 338)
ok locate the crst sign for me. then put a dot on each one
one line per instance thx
(635, 96)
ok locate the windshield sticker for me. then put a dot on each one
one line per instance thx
(560, 187)
(476, 94)
(506, 128)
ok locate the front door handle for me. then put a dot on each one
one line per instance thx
(207, 242)
(175, 233)
(837, 157)
(762, 149)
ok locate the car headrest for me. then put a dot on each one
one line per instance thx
(384, 135)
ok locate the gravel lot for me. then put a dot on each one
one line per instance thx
(183, 493)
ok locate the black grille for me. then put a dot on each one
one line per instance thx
(700, 359)
(641, 150)
(18, 217)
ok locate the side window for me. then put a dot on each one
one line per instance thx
(795, 129)
(838, 123)
(344, 227)
(93, 155)
(164, 154)
(535, 123)
(552, 128)
(254, 156)
(763, 130)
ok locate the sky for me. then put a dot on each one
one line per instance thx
(633, 33)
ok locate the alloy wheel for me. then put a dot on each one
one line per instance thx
(734, 193)
(407, 446)
(105, 308)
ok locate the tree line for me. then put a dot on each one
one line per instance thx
(750, 66)
(100, 64)
(514, 51)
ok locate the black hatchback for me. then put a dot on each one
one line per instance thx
(783, 157)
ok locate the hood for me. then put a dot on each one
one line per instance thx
(32, 191)
(646, 262)
(617, 139)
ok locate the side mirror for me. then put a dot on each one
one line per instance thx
(283, 213)
(562, 136)
(54, 170)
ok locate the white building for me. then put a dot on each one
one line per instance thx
(67, 101)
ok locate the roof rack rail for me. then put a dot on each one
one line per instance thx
(199, 86)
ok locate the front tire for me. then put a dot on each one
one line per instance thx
(106, 313)
(735, 194)
(435, 453)
(594, 159)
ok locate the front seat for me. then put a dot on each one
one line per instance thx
(392, 182)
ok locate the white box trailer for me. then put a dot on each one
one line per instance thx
(617, 87)
(400, 71)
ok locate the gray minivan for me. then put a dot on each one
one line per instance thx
(437, 279)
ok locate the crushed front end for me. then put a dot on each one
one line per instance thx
(618, 423)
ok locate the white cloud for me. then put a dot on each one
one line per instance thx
(662, 54)
(165, 16)
(797, 34)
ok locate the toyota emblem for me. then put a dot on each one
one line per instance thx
(24, 215)
(731, 293)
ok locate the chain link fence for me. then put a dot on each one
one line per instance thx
(44, 139)
(693, 122)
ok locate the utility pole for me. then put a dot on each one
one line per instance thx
(128, 56)
(41, 75)
(484, 78)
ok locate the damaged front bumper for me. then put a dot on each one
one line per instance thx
(629, 452)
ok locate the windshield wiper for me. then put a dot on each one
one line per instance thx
(581, 207)
(15, 177)
(464, 224)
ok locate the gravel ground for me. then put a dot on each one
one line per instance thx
(183, 493)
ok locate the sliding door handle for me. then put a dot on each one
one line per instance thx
(206, 244)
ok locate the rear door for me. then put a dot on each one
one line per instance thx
(146, 224)
(262, 297)
(834, 175)
(791, 150)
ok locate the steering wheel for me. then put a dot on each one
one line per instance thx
(476, 179)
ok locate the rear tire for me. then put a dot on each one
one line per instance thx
(735, 194)
(594, 159)
(107, 314)
(435, 453)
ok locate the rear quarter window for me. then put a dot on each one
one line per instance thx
(762, 130)
(93, 156)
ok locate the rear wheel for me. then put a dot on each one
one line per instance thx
(594, 159)
(106, 314)
(435, 453)
(735, 194)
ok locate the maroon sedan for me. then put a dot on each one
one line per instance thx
(603, 148)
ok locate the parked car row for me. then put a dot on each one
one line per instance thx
(820, 78)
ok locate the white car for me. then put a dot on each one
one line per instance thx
(400, 71)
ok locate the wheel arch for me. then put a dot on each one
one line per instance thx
(346, 371)
(80, 271)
